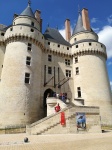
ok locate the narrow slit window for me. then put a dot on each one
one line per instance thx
(79, 92)
(75, 40)
(27, 78)
(32, 23)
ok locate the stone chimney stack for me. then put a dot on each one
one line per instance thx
(85, 19)
(37, 15)
(38, 18)
(67, 30)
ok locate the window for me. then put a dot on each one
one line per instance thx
(11, 29)
(32, 23)
(67, 48)
(79, 91)
(27, 78)
(32, 30)
(49, 70)
(101, 45)
(28, 60)
(49, 57)
(68, 73)
(67, 62)
(29, 47)
(2, 34)
(77, 70)
(76, 59)
(76, 46)
(75, 39)
(58, 45)
(48, 43)
(90, 44)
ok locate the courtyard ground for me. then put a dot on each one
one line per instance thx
(91, 141)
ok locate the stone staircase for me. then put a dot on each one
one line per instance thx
(52, 123)
(46, 124)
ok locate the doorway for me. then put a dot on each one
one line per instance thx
(46, 93)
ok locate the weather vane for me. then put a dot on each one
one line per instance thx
(29, 2)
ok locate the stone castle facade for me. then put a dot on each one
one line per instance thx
(33, 65)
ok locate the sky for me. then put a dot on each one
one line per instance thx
(54, 13)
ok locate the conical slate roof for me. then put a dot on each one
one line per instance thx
(79, 25)
(55, 36)
(28, 12)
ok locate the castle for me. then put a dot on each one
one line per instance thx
(33, 65)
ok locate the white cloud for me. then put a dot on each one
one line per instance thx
(105, 37)
(109, 19)
(111, 84)
(94, 20)
(110, 63)
(62, 31)
(96, 30)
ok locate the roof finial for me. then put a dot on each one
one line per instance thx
(29, 2)
(79, 11)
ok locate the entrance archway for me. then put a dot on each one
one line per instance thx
(46, 93)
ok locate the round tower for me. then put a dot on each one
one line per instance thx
(91, 81)
(2, 46)
(21, 75)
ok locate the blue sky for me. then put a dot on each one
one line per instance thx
(55, 12)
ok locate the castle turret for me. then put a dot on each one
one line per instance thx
(2, 46)
(91, 81)
(21, 75)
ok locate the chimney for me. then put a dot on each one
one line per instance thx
(38, 18)
(37, 15)
(67, 30)
(85, 19)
